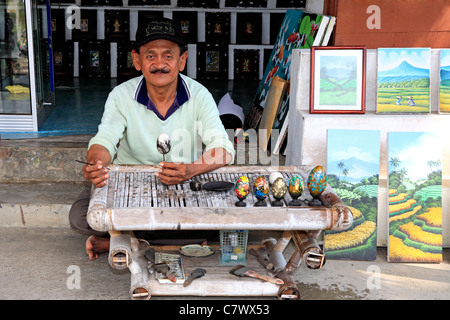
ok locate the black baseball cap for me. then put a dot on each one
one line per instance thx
(158, 28)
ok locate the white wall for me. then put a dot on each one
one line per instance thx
(307, 133)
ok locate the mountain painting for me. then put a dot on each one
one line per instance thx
(403, 80)
(444, 105)
(337, 80)
(353, 158)
(415, 197)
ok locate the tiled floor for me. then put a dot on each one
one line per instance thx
(80, 102)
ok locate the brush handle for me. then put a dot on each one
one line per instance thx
(254, 274)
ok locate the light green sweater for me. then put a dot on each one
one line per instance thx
(129, 130)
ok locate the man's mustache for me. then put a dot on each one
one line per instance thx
(162, 70)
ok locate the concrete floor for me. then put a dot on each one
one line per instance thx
(37, 264)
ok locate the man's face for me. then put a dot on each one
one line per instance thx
(160, 62)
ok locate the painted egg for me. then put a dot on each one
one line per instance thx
(296, 186)
(163, 143)
(242, 188)
(260, 188)
(274, 176)
(279, 188)
(317, 181)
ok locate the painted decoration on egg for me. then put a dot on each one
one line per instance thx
(242, 188)
(296, 186)
(279, 188)
(260, 188)
(317, 181)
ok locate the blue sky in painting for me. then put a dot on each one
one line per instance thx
(414, 150)
(389, 58)
(445, 57)
(359, 150)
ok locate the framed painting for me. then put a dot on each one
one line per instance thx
(353, 161)
(415, 197)
(246, 64)
(188, 22)
(117, 25)
(125, 66)
(444, 89)
(212, 62)
(403, 84)
(248, 28)
(338, 79)
(94, 59)
(88, 26)
(217, 27)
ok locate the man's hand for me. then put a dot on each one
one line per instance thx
(97, 174)
(173, 173)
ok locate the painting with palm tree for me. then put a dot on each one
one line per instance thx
(415, 197)
(352, 171)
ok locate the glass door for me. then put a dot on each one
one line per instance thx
(15, 98)
(26, 65)
(43, 56)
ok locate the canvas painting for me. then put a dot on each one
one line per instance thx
(338, 79)
(444, 105)
(403, 80)
(353, 158)
(297, 31)
(415, 197)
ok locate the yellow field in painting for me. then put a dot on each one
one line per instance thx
(401, 109)
(444, 99)
(387, 100)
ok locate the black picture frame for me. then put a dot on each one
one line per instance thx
(149, 14)
(63, 59)
(246, 64)
(58, 24)
(217, 27)
(94, 59)
(301, 4)
(248, 28)
(213, 4)
(88, 26)
(246, 3)
(117, 25)
(125, 67)
(212, 61)
(188, 22)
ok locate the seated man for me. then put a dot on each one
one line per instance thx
(139, 110)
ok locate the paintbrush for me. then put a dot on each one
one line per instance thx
(243, 271)
(91, 164)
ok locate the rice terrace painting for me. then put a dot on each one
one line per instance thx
(415, 197)
(403, 80)
(444, 105)
(353, 158)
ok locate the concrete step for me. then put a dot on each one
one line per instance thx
(37, 205)
(39, 180)
(50, 159)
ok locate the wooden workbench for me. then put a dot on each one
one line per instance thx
(135, 200)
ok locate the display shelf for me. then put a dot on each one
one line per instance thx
(263, 13)
(307, 133)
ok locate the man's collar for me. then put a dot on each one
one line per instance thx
(141, 95)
